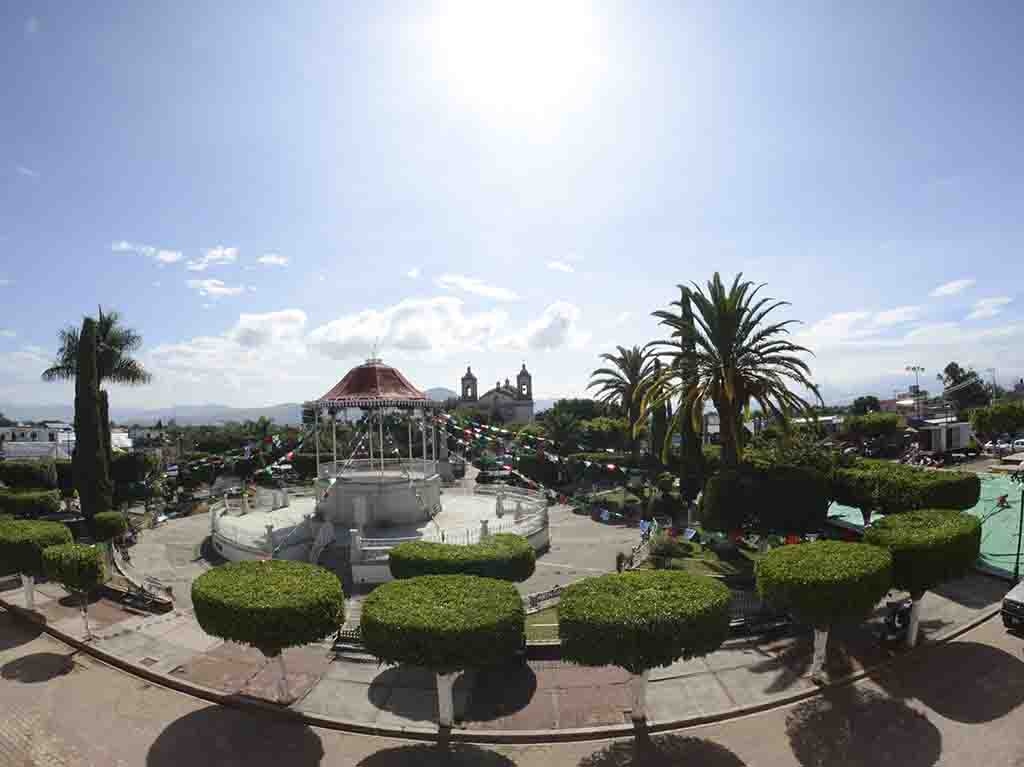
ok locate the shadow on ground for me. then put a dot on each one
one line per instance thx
(15, 632)
(974, 591)
(411, 692)
(662, 751)
(850, 727)
(74, 600)
(979, 683)
(502, 691)
(225, 736)
(38, 667)
(422, 755)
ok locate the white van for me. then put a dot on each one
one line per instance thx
(1013, 607)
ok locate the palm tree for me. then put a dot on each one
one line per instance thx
(622, 384)
(115, 343)
(739, 359)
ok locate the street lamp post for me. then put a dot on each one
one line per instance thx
(916, 370)
(1018, 478)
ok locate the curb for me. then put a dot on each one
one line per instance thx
(461, 735)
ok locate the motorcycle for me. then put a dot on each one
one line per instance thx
(897, 622)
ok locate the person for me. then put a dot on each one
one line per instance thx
(645, 529)
(1003, 502)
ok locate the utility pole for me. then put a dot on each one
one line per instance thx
(992, 372)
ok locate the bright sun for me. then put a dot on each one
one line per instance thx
(517, 60)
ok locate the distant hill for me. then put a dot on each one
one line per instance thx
(441, 393)
(185, 415)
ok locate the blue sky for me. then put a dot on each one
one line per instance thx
(263, 191)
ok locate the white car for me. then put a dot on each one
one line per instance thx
(1004, 447)
(1018, 445)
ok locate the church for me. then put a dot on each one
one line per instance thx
(513, 404)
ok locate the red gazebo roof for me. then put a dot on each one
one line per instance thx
(374, 384)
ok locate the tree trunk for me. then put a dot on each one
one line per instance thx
(727, 434)
(638, 695)
(820, 652)
(915, 620)
(866, 516)
(445, 699)
(85, 615)
(282, 684)
(28, 583)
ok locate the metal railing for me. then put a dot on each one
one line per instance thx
(409, 467)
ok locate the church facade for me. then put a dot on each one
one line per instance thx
(513, 404)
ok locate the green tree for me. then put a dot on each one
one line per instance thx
(563, 428)
(79, 569)
(740, 359)
(622, 384)
(867, 404)
(966, 389)
(115, 344)
(873, 425)
(91, 467)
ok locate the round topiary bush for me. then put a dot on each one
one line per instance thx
(825, 583)
(22, 543)
(109, 525)
(641, 620)
(505, 556)
(777, 499)
(75, 566)
(890, 488)
(444, 622)
(928, 547)
(269, 604)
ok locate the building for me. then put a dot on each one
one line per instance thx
(52, 439)
(940, 435)
(512, 404)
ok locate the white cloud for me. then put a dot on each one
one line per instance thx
(414, 273)
(213, 257)
(623, 317)
(437, 326)
(273, 259)
(988, 307)
(475, 286)
(561, 266)
(215, 288)
(255, 330)
(951, 288)
(5, 282)
(897, 316)
(5, 333)
(26, 171)
(156, 284)
(161, 255)
(556, 328)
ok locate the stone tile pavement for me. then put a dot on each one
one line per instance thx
(531, 695)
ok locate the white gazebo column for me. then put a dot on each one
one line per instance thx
(409, 424)
(433, 441)
(380, 425)
(423, 428)
(334, 441)
(316, 440)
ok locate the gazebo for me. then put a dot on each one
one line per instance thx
(386, 487)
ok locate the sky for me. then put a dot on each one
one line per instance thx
(267, 192)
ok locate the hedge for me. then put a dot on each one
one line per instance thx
(892, 488)
(504, 556)
(444, 623)
(269, 604)
(65, 479)
(642, 619)
(825, 582)
(22, 543)
(780, 499)
(928, 547)
(75, 566)
(25, 474)
(132, 467)
(29, 503)
(108, 525)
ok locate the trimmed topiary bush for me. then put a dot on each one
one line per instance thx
(504, 556)
(928, 547)
(27, 474)
(891, 488)
(775, 500)
(79, 569)
(446, 623)
(108, 525)
(65, 482)
(270, 605)
(641, 620)
(22, 543)
(825, 583)
(29, 503)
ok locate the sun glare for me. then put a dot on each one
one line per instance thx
(517, 60)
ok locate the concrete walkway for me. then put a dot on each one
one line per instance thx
(954, 704)
(538, 695)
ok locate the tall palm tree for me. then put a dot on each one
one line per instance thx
(114, 346)
(740, 359)
(623, 384)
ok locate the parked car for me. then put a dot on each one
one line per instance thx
(1013, 607)
(1018, 445)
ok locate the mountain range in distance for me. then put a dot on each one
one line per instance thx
(288, 413)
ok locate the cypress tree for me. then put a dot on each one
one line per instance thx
(691, 467)
(90, 465)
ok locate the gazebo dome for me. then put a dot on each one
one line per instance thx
(374, 384)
